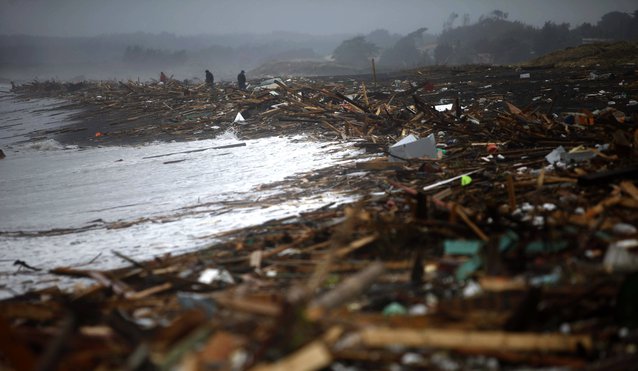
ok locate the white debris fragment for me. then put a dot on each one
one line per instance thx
(444, 107)
(211, 275)
(239, 118)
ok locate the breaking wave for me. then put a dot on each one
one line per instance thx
(229, 134)
(43, 145)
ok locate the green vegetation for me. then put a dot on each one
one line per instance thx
(355, 52)
(492, 39)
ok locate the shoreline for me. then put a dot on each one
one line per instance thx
(412, 257)
(129, 113)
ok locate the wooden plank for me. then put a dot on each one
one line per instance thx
(313, 356)
(490, 340)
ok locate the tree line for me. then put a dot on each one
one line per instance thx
(492, 39)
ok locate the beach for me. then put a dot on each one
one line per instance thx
(509, 243)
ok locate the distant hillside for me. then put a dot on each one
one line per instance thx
(603, 54)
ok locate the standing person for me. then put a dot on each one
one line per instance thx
(241, 80)
(210, 80)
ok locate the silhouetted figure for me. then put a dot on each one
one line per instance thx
(241, 80)
(210, 80)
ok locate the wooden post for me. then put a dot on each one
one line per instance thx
(374, 72)
(365, 94)
(511, 193)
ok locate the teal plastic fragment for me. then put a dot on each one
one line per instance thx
(462, 247)
(394, 309)
(570, 229)
(539, 247)
(546, 279)
(507, 240)
(468, 268)
(603, 235)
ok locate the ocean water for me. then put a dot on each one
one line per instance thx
(69, 206)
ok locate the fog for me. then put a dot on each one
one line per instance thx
(136, 39)
(321, 17)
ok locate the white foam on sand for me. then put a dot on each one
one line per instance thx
(64, 206)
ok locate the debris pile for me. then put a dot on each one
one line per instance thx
(510, 241)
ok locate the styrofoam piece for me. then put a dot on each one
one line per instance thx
(413, 147)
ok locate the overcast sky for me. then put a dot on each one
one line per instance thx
(184, 17)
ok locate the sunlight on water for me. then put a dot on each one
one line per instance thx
(64, 206)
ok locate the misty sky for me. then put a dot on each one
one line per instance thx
(186, 17)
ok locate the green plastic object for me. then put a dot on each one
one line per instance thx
(466, 180)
